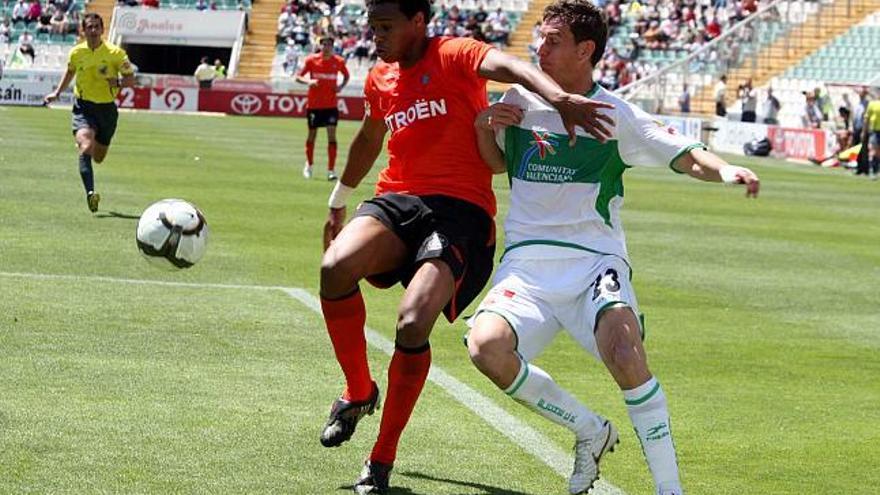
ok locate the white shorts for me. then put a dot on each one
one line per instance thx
(538, 298)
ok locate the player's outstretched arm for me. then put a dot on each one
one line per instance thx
(709, 167)
(575, 110)
(495, 118)
(65, 81)
(362, 154)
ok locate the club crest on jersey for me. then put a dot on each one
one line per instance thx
(425, 79)
(543, 143)
(420, 110)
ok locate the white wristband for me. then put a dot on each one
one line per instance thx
(339, 196)
(728, 174)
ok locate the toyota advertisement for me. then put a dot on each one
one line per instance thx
(271, 104)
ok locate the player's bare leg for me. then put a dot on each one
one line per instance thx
(86, 144)
(364, 247)
(492, 347)
(310, 153)
(428, 293)
(619, 339)
(331, 152)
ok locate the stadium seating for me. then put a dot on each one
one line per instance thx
(50, 48)
(852, 57)
(353, 12)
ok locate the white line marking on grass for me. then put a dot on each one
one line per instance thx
(135, 281)
(520, 433)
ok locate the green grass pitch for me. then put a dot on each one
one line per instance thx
(762, 321)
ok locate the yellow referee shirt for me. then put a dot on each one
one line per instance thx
(872, 113)
(94, 67)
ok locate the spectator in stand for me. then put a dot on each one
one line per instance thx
(713, 28)
(812, 116)
(749, 98)
(74, 19)
(684, 99)
(771, 108)
(205, 74)
(59, 22)
(34, 12)
(44, 24)
(720, 93)
(26, 46)
(291, 57)
(5, 30)
(363, 48)
(823, 101)
(150, 4)
(285, 22)
(859, 115)
(20, 11)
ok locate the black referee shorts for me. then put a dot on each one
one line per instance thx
(100, 117)
(458, 232)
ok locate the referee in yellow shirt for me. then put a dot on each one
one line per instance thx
(871, 136)
(100, 69)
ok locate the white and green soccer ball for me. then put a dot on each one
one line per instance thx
(172, 234)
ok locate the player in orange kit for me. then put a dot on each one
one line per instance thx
(430, 225)
(323, 71)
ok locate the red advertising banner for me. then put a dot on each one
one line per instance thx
(134, 98)
(271, 104)
(797, 143)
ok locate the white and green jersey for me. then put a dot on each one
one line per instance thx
(565, 201)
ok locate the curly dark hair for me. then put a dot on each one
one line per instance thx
(586, 21)
(409, 8)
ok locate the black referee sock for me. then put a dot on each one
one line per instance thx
(85, 171)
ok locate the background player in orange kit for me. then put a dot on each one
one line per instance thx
(323, 71)
(430, 225)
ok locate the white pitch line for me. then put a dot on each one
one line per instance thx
(526, 437)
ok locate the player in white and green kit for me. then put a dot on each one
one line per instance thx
(565, 264)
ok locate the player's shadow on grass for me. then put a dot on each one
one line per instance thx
(116, 214)
(486, 489)
(393, 490)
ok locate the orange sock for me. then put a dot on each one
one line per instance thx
(310, 152)
(331, 156)
(406, 377)
(345, 320)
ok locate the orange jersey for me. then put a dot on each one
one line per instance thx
(430, 110)
(326, 71)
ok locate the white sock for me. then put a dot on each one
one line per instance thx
(647, 409)
(535, 389)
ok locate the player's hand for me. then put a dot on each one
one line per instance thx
(49, 98)
(580, 111)
(750, 180)
(498, 116)
(731, 174)
(313, 83)
(333, 225)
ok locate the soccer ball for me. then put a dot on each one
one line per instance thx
(172, 233)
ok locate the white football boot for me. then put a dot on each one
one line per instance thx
(587, 454)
